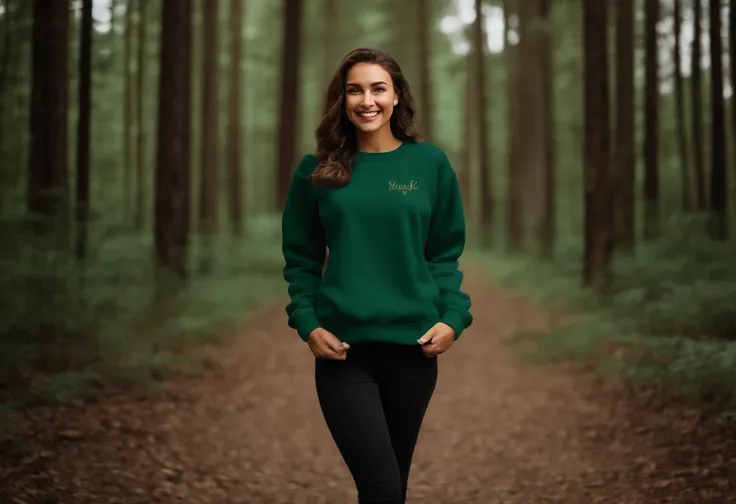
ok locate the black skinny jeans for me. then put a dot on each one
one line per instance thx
(374, 404)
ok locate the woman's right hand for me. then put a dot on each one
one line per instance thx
(325, 345)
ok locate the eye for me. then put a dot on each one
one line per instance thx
(380, 89)
(353, 90)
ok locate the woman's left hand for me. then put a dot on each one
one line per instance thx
(437, 340)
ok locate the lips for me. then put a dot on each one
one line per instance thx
(368, 116)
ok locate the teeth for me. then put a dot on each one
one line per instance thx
(368, 114)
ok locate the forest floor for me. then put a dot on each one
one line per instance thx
(498, 430)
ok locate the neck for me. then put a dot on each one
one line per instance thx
(378, 141)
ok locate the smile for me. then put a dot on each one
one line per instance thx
(368, 116)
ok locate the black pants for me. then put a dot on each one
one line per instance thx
(374, 403)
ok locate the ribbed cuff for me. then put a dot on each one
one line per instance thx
(305, 322)
(455, 320)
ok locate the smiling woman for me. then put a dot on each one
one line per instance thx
(369, 101)
(368, 96)
(388, 207)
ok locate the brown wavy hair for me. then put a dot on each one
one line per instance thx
(336, 138)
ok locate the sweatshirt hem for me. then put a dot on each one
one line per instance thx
(404, 333)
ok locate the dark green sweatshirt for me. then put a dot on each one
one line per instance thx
(394, 233)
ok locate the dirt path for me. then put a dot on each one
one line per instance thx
(497, 431)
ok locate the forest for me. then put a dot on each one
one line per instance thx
(146, 152)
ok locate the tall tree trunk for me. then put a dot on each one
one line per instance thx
(7, 53)
(209, 159)
(732, 59)
(9, 63)
(47, 160)
(330, 40)
(402, 43)
(718, 180)
(651, 120)
(533, 157)
(514, 207)
(598, 223)
(425, 73)
(5, 50)
(469, 131)
(701, 198)
(171, 218)
(549, 215)
(140, 205)
(479, 42)
(128, 109)
(234, 123)
(83, 128)
(625, 151)
(289, 103)
(680, 112)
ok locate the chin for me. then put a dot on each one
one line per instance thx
(369, 128)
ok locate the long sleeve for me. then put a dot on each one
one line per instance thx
(303, 247)
(445, 245)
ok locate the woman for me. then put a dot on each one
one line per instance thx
(388, 208)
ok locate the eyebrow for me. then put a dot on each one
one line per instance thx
(372, 84)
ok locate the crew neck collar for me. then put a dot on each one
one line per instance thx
(376, 156)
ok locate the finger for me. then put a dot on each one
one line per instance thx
(426, 337)
(327, 353)
(433, 349)
(429, 353)
(332, 355)
(336, 346)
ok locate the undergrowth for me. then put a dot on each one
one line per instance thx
(669, 317)
(70, 329)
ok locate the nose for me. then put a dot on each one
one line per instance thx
(367, 100)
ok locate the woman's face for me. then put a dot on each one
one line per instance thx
(369, 97)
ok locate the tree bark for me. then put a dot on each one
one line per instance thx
(598, 229)
(128, 109)
(680, 113)
(548, 223)
(718, 187)
(171, 229)
(701, 197)
(47, 196)
(83, 129)
(234, 124)
(534, 155)
(330, 39)
(209, 158)
(289, 103)
(479, 42)
(141, 190)
(469, 131)
(514, 208)
(625, 128)
(425, 72)
(651, 120)
(732, 59)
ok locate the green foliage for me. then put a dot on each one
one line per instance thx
(669, 317)
(67, 328)
(684, 285)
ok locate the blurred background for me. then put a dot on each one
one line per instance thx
(147, 146)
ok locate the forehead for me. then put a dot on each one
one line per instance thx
(367, 74)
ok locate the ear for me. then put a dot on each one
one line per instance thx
(396, 102)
